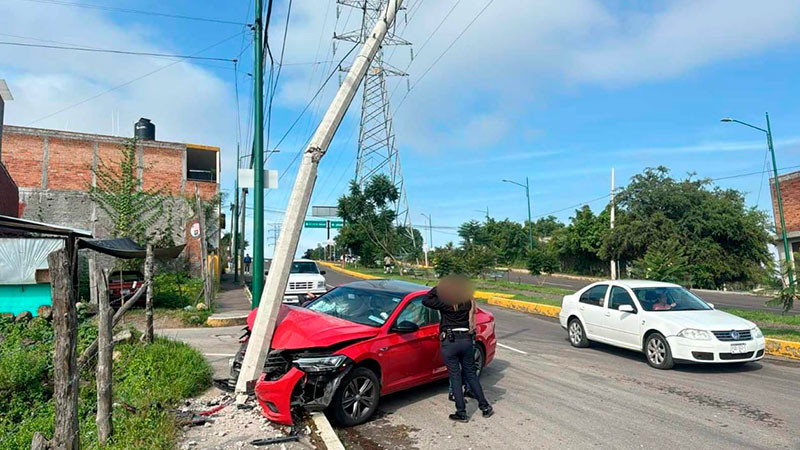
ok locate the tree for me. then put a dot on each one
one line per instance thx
(578, 244)
(370, 230)
(663, 261)
(133, 210)
(722, 239)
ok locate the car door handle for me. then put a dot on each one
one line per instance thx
(582, 307)
(383, 349)
(608, 313)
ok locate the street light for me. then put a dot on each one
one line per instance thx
(530, 222)
(768, 131)
(430, 236)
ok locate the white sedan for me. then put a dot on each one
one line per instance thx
(666, 322)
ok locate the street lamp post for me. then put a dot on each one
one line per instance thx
(786, 254)
(430, 236)
(530, 222)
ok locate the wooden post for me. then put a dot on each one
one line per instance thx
(208, 291)
(105, 343)
(148, 309)
(65, 370)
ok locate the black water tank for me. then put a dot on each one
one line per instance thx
(144, 130)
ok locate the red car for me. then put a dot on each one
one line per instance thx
(122, 284)
(347, 348)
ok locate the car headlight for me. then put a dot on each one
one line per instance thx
(756, 333)
(697, 335)
(320, 284)
(320, 363)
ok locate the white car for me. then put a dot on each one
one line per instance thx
(666, 322)
(304, 278)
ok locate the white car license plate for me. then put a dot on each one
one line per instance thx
(737, 348)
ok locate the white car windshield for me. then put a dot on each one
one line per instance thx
(304, 267)
(362, 306)
(669, 299)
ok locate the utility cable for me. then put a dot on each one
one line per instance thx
(129, 82)
(134, 11)
(117, 52)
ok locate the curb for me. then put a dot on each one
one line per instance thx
(227, 320)
(326, 433)
(528, 307)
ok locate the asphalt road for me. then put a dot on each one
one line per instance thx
(548, 394)
(718, 298)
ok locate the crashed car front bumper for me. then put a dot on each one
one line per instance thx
(312, 391)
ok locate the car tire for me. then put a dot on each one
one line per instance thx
(356, 399)
(657, 352)
(577, 334)
(480, 359)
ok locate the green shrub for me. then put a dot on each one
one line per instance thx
(175, 290)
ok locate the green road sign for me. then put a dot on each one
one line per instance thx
(316, 224)
(337, 224)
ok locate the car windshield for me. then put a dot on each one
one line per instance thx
(304, 267)
(669, 299)
(362, 306)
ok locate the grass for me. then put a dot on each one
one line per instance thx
(150, 378)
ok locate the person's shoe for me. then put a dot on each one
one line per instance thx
(488, 412)
(459, 417)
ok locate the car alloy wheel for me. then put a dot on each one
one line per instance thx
(658, 352)
(576, 335)
(358, 398)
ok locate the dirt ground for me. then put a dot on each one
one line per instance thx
(137, 318)
(234, 428)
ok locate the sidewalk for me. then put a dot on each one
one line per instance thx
(231, 306)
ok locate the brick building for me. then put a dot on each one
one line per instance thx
(790, 195)
(54, 170)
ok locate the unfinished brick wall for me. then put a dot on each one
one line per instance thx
(23, 156)
(790, 194)
(163, 168)
(69, 164)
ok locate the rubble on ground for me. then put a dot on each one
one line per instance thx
(231, 427)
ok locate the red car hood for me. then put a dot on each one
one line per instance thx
(300, 328)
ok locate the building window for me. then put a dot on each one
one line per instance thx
(201, 164)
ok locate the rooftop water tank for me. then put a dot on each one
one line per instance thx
(144, 130)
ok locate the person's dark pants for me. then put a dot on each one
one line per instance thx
(459, 356)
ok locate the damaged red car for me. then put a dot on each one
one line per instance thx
(346, 349)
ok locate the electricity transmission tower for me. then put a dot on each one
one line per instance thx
(377, 154)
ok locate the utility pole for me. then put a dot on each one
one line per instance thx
(235, 221)
(430, 237)
(242, 226)
(613, 208)
(528, 196)
(258, 159)
(259, 344)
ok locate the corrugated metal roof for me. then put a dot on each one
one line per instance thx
(30, 226)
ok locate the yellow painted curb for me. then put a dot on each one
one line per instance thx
(352, 273)
(529, 307)
(226, 321)
(786, 349)
(487, 295)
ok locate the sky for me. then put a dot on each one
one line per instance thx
(556, 91)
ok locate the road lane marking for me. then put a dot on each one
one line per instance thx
(220, 354)
(512, 349)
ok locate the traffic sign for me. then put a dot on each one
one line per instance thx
(337, 223)
(316, 224)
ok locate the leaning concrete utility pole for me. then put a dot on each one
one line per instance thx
(272, 296)
(613, 208)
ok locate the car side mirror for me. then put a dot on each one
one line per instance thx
(405, 326)
(627, 309)
(322, 272)
(711, 305)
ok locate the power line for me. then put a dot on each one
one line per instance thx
(134, 11)
(474, 19)
(278, 75)
(117, 52)
(128, 82)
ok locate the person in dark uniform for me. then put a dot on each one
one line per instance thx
(452, 297)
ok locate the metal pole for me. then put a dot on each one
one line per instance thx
(786, 253)
(240, 256)
(272, 294)
(613, 207)
(530, 222)
(258, 161)
(235, 222)
(430, 231)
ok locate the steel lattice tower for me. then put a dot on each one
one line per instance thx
(377, 153)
